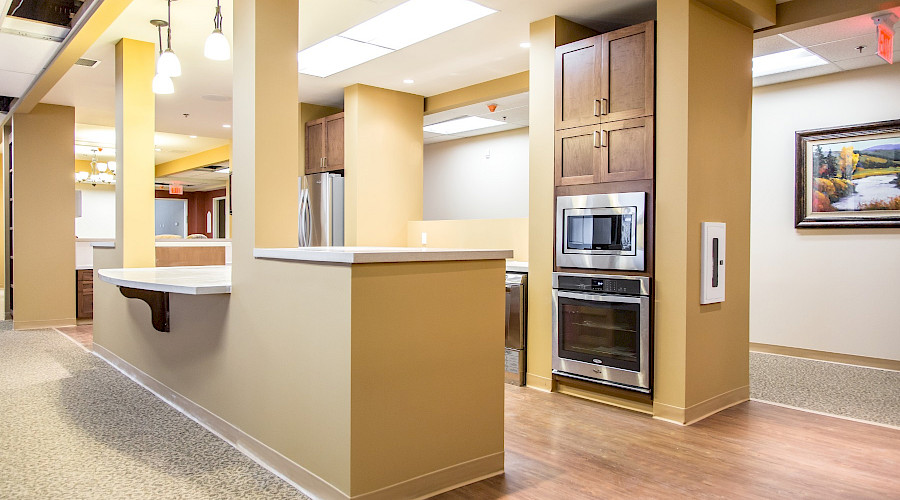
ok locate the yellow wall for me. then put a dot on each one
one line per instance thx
(135, 123)
(491, 89)
(309, 112)
(703, 115)
(473, 233)
(383, 165)
(2, 205)
(545, 36)
(197, 160)
(43, 218)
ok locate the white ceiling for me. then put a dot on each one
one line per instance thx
(837, 42)
(26, 48)
(171, 146)
(199, 179)
(512, 109)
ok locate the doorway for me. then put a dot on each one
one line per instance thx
(219, 227)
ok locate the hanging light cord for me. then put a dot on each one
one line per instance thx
(159, 32)
(169, 29)
(217, 19)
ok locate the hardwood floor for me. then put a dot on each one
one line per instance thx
(83, 334)
(558, 446)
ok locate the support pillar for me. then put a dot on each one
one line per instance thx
(135, 153)
(42, 221)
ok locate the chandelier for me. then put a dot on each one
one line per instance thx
(101, 172)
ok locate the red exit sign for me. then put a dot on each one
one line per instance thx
(176, 189)
(885, 43)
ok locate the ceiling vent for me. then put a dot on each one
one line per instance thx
(89, 63)
(5, 103)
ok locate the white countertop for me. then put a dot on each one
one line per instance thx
(516, 266)
(370, 255)
(199, 242)
(189, 280)
(104, 244)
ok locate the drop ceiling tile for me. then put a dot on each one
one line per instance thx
(865, 61)
(846, 49)
(14, 84)
(795, 75)
(829, 32)
(25, 55)
(771, 45)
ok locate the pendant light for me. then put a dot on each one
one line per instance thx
(168, 64)
(217, 47)
(162, 84)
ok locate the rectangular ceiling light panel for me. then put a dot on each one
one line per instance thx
(789, 60)
(406, 24)
(464, 124)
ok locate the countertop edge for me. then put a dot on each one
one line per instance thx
(165, 287)
(375, 257)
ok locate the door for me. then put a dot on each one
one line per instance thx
(218, 229)
(600, 329)
(334, 142)
(627, 83)
(315, 142)
(626, 149)
(578, 155)
(171, 216)
(578, 68)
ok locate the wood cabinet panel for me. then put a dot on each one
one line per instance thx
(578, 157)
(334, 142)
(315, 143)
(84, 293)
(627, 78)
(578, 71)
(627, 150)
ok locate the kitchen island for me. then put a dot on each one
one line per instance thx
(352, 371)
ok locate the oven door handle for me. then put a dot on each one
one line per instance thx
(600, 297)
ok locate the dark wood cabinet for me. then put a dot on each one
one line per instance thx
(325, 144)
(578, 74)
(84, 293)
(608, 152)
(578, 155)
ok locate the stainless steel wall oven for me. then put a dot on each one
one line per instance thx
(601, 231)
(601, 329)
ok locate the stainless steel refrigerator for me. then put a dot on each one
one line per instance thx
(321, 210)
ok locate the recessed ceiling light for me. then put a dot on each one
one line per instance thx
(158, 149)
(223, 170)
(409, 81)
(525, 45)
(789, 60)
(193, 137)
(225, 125)
(399, 27)
(464, 124)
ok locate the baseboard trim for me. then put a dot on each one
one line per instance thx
(842, 417)
(832, 357)
(439, 481)
(276, 463)
(701, 410)
(538, 382)
(42, 323)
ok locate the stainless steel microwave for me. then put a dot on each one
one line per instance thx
(601, 231)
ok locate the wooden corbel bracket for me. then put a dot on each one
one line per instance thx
(158, 302)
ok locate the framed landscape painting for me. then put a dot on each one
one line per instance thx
(849, 176)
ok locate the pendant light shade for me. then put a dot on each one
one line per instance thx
(162, 84)
(217, 47)
(168, 64)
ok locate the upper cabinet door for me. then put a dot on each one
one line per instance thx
(627, 83)
(578, 74)
(626, 149)
(334, 142)
(315, 142)
(578, 155)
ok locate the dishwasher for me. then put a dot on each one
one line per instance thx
(516, 314)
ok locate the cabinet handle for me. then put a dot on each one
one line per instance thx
(324, 162)
(597, 139)
(597, 107)
(603, 106)
(603, 138)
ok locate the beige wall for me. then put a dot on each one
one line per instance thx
(830, 290)
(545, 36)
(44, 217)
(475, 233)
(703, 169)
(484, 91)
(382, 164)
(309, 112)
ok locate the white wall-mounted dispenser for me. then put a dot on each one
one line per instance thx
(712, 267)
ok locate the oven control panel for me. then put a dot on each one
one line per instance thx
(602, 284)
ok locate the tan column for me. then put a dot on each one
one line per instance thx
(383, 165)
(701, 353)
(265, 142)
(546, 35)
(135, 124)
(43, 250)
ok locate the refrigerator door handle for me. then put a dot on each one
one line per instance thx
(304, 218)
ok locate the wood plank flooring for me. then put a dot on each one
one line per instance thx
(83, 334)
(558, 446)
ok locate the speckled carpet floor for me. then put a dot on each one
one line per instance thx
(72, 427)
(857, 392)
